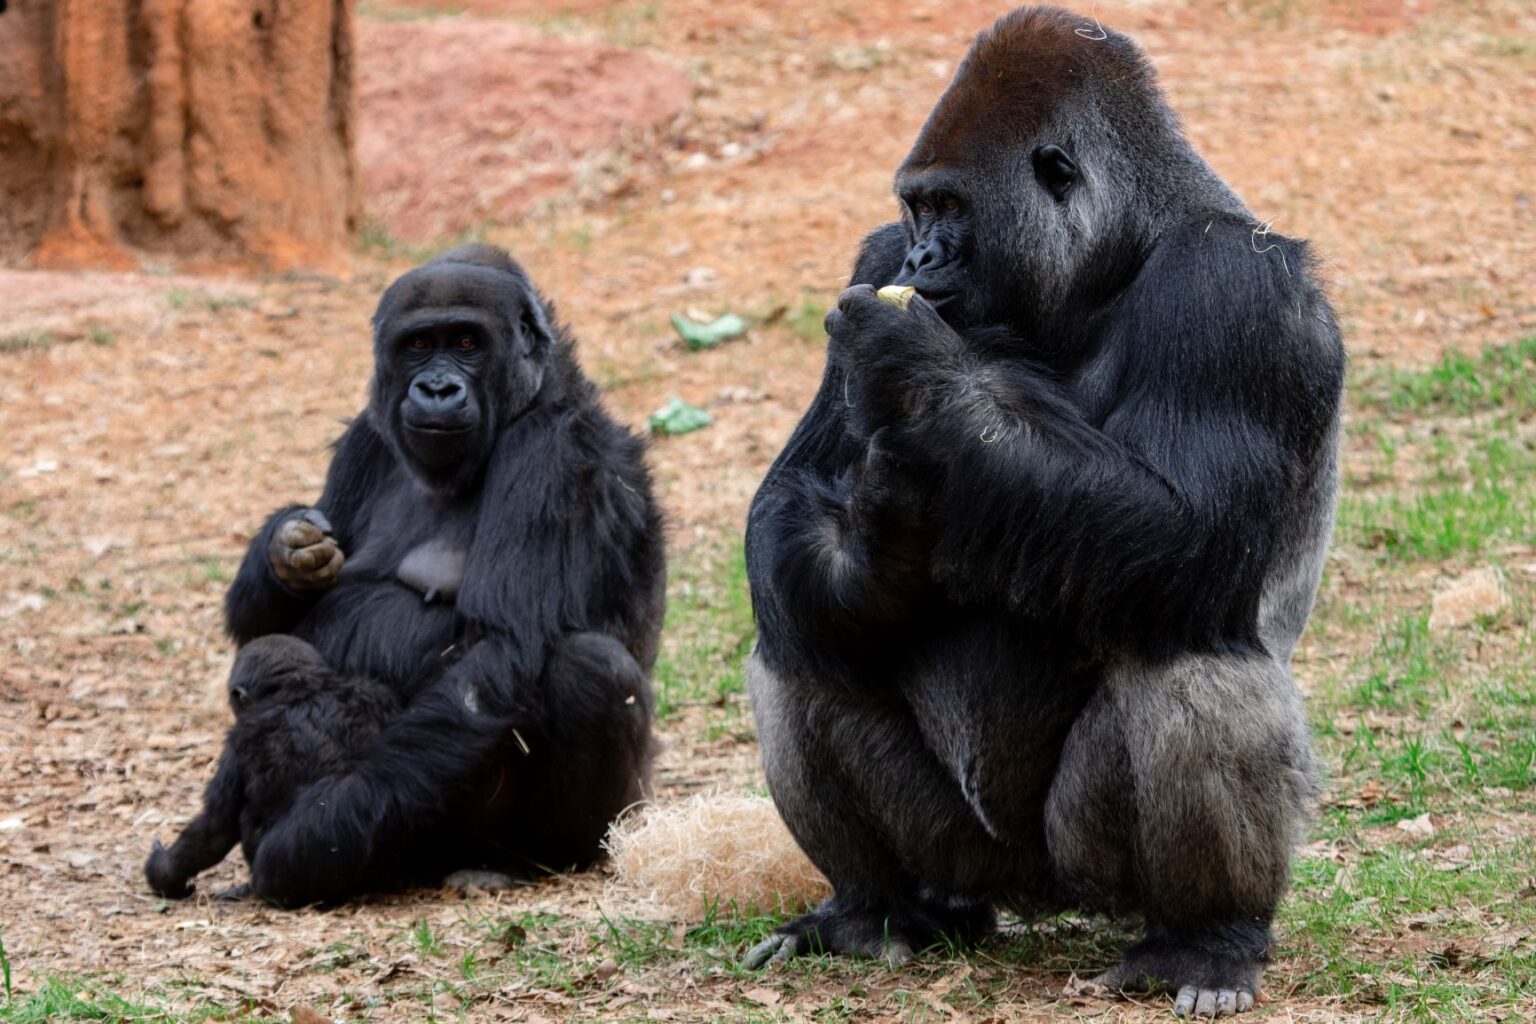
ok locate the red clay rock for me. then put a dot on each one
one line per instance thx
(218, 131)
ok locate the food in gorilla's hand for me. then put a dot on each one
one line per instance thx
(898, 295)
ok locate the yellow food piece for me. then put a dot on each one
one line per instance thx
(898, 295)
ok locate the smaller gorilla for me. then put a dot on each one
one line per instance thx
(295, 721)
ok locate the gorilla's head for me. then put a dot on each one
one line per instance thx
(272, 666)
(1031, 188)
(461, 345)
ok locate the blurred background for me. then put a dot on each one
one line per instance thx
(200, 201)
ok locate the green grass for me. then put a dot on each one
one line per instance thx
(808, 319)
(1501, 377)
(27, 341)
(708, 631)
(1462, 434)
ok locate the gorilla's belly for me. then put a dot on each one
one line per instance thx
(378, 628)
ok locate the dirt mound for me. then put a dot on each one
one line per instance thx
(464, 121)
(207, 131)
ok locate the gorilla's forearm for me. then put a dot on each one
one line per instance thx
(1041, 510)
(257, 604)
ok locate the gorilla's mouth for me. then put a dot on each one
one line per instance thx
(440, 429)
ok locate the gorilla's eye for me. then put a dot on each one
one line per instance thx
(923, 208)
(466, 343)
(951, 204)
(419, 344)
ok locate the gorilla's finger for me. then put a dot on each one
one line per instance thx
(330, 572)
(1244, 1001)
(315, 516)
(299, 533)
(311, 557)
(853, 294)
(1226, 1003)
(1184, 1005)
(764, 951)
(1205, 1003)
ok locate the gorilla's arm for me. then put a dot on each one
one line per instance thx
(258, 603)
(824, 541)
(1154, 527)
(206, 839)
(562, 533)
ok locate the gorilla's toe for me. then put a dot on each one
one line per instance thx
(1206, 1003)
(485, 881)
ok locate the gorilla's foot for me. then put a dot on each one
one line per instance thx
(485, 881)
(889, 934)
(1212, 972)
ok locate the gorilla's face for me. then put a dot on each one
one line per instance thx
(459, 351)
(991, 245)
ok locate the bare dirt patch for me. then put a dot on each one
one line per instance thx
(466, 121)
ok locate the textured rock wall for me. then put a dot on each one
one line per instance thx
(204, 131)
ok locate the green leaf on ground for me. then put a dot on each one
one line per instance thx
(678, 417)
(699, 336)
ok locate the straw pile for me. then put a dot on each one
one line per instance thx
(712, 853)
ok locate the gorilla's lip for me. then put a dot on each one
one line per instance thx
(440, 428)
(936, 299)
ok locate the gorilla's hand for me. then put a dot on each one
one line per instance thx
(889, 492)
(303, 554)
(893, 357)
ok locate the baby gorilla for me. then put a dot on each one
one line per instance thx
(296, 720)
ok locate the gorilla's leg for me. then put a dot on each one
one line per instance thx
(1181, 792)
(879, 815)
(575, 757)
(205, 841)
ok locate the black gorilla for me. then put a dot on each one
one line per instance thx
(296, 720)
(1029, 573)
(486, 546)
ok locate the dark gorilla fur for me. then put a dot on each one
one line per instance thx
(295, 721)
(1029, 573)
(503, 575)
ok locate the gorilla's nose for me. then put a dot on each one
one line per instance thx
(438, 394)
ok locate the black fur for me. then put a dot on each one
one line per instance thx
(1029, 572)
(296, 720)
(504, 573)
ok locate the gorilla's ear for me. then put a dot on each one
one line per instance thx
(534, 323)
(1055, 170)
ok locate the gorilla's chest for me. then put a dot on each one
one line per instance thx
(419, 540)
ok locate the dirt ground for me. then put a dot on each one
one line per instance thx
(148, 422)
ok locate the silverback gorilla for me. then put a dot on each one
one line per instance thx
(486, 546)
(1029, 572)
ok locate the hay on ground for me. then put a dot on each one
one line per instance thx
(712, 853)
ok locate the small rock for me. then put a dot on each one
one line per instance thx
(1423, 826)
(1467, 598)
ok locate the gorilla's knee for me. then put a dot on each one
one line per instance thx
(593, 674)
(1184, 787)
